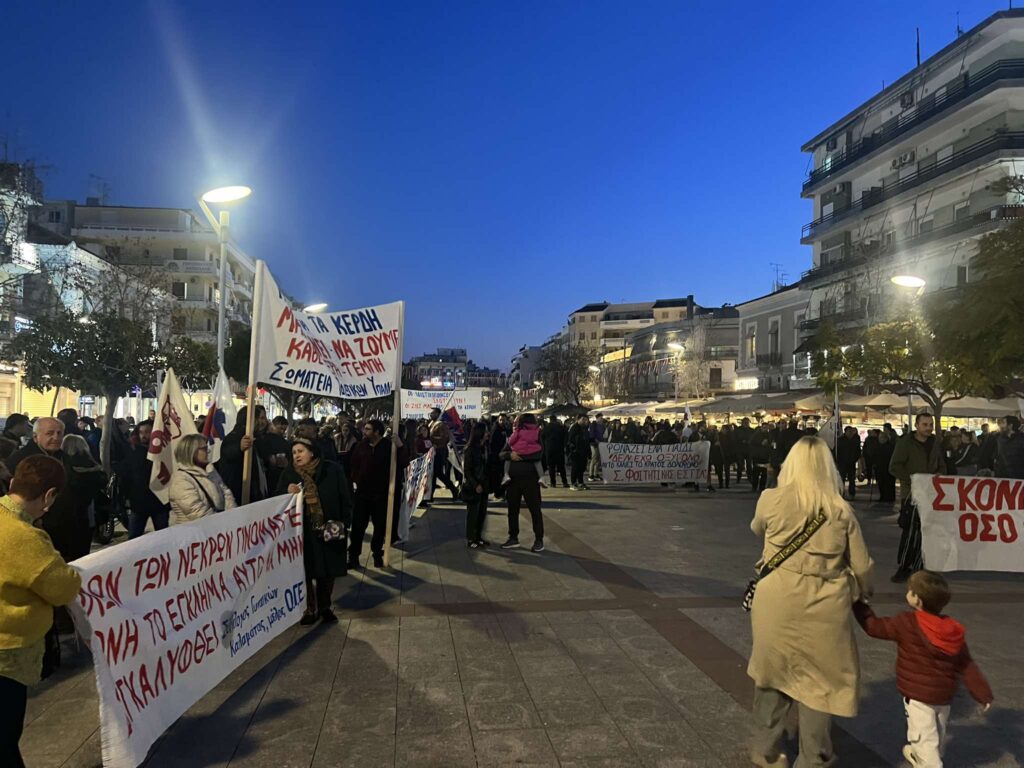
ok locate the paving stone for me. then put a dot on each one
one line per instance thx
(589, 741)
(502, 715)
(529, 747)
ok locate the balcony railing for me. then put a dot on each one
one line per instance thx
(191, 267)
(771, 360)
(872, 197)
(838, 318)
(927, 108)
(996, 214)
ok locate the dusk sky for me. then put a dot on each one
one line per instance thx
(495, 164)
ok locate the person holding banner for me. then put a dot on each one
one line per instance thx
(804, 652)
(196, 489)
(34, 580)
(326, 500)
(232, 455)
(916, 453)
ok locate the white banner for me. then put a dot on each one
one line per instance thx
(626, 463)
(417, 403)
(418, 477)
(173, 421)
(352, 354)
(970, 523)
(170, 614)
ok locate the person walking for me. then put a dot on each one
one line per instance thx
(475, 486)
(915, 453)
(577, 447)
(327, 505)
(441, 436)
(371, 474)
(716, 459)
(196, 489)
(553, 437)
(804, 653)
(759, 453)
(34, 581)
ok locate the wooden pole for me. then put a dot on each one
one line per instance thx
(250, 398)
(395, 419)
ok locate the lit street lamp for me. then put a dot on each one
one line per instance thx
(912, 282)
(315, 309)
(221, 225)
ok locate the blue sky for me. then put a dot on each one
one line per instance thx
(495, 164)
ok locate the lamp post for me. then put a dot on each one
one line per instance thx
(917, 283)
(221, 225)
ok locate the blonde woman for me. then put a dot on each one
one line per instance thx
(804, 652)
(196, 490)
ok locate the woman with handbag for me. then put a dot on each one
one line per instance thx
(327, 514)
(474, 486)
(815, 565)
(195, 489)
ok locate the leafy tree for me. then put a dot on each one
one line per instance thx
(49, 353)
(194, 362)
(834, 363)
(565, 368)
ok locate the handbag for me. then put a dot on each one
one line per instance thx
(333, 531)
(782, 556)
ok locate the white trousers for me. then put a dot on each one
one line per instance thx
(926, 732)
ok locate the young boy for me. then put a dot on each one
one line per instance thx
(931, 658)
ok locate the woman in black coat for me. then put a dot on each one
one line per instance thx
(326, 499)
(475, 486)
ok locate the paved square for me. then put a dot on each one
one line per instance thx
(621, 645)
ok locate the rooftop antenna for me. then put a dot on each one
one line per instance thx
(780, 277)
(918, 46)
(959, 29)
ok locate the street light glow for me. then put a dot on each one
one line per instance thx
(313, 309)
(593, 368)
(676, 346)
(226, 194)
(908, 281)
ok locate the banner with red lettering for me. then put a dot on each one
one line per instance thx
(352, 354)
(170, 614)
(634, 464)
(970, 523)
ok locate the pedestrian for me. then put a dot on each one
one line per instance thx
(931, 659)
(500, 432)
(918, 452)
(525, 441)
(523, 485)
(274, 450)
(237, 443)
(966, 458)
(34, 581)
(441, 436)
(85, 480)
(804, 653)
(196, 489)
(69, 417)
(597, 436)
(577, 447)
(742, 437)
(759, 454)
(134, 474)
(474, 486)
(308, 429)
(867, 455)
(371, 474)
(1010, 449)
(988, 449)
(716, 459)
(17, 432)
(327, 510)
(881, 456)
(847, 456)
(553, 437)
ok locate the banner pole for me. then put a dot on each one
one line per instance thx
(395, 419)
(250, 398)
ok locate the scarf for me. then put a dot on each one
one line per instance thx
(312, 493)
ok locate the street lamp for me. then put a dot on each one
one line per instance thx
(593, 368)
(315, 309)
(221, 225)
(908, 281)
(676, 346)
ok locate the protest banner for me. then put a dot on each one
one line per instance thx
(626, 463)
(417, 403)
(970, 523)
(173, 421)
(170, 614)
(353, 354)
(418, 476)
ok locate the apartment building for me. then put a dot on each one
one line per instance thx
(903, 184)
(770, 358)
(174, 241)
(525, 365)
(605, 326)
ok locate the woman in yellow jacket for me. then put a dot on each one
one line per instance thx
(33, 580)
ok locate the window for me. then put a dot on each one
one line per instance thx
(826, 210)
(797, 320)
(751, 343)
(773, 338)
(961, 275)
(926, 225)
(54, 217)
(593, 335)
(178, 290)
(181, 254)
(593, 318)
(889, 238)
(664, 315)
(209, 324)
(715, 378)
(962, 211)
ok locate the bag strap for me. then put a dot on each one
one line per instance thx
(206, 493)
(791, 549)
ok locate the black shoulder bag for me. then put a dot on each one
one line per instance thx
(782, 556)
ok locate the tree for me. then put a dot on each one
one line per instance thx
(19, 192)
(49, 353)
(834, 363)
(194, 362)
(565, 368)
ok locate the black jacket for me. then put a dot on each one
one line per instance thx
(475, 467)
(134, 473)
(232, 460)
(371, 467)
(847, 451)
(578, 442)
(1010, 455)
(553, 437)
(332, 487)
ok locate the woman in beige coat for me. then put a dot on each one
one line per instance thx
(804, 649)
(196, 490)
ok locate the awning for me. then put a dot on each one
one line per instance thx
(979, 407)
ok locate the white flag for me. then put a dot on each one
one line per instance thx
(827, 432)
(221, 417)
(689, 416)
(173, 421)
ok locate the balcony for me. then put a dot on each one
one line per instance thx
(633, 322)
(983, 219)
(769, 361)
(927, 108)
(872, 197)
(848, 318)
(191, 267)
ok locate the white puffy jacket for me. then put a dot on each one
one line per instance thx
(188, 500)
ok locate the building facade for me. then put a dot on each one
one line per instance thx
(525, 365)
(903, 184)
(770, 336)
(605, 326)
(171, 241)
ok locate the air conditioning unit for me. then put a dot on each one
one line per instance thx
(193, 279)
(907, 158)
(895, 164)
(907, 99)
(838, 189)
(831, 144)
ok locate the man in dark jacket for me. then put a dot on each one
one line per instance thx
(847, 456)
(371, 474)
(741, 448)
(552, 435)
(134, 473)
(916, 453)
(790, 437)
(880, 457)
(309, 430)
(1010, 450)
(232, 456)
(577, 448)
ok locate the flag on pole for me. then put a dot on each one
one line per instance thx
(173, 421)
(221, 417)
(689, 416)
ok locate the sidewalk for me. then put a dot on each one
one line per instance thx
(621, 645)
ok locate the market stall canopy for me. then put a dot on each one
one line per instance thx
(680, 406)
(772, 402)
(563, 409)
(979, 407)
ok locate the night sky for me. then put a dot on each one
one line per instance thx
(495, 164)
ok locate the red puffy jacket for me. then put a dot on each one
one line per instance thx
(931, 655)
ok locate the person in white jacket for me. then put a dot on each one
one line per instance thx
(196, 490)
